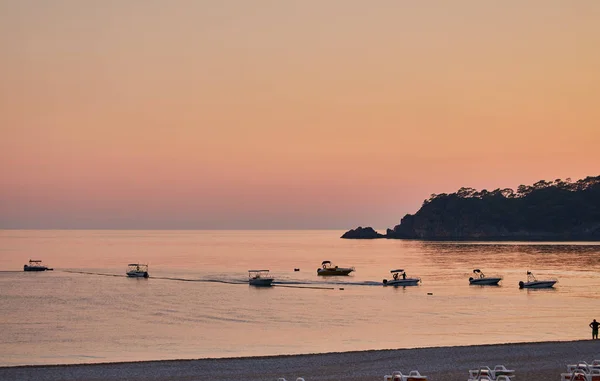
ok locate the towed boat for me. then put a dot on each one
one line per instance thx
(259, 278)
(137, 270)
(36, 265)
(399, 279)
(481, 279)
(532, 282)
(327, 268)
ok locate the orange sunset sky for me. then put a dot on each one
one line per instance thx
(286, 114)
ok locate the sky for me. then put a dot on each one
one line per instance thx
(269, 114)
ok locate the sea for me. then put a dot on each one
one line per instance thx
(197, 302)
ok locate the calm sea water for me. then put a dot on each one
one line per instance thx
(197, 302)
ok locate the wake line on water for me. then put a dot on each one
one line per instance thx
(157, 277)
(279, 283)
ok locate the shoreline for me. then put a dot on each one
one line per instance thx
(532, 361)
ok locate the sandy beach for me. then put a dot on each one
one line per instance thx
(531, 361)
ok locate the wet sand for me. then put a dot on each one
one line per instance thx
(531, 361)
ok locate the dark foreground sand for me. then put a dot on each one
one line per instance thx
(531, 361)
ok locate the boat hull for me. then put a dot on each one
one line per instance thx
(402, 282)
(485, 281)
(334, 272)
(35, 268)
(538, 284)
(262, 282)
(137, 274)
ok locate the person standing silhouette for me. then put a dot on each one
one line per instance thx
(594, 326)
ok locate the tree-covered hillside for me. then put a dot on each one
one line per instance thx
(562, 210)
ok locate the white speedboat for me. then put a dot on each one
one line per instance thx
(259, 278)
(532, 282)
(137, 270)
(327, 268)
(481, 279)
(36, 265)
(399, 278)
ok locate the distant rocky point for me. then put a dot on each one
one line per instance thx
(547, 210)
(362, 233)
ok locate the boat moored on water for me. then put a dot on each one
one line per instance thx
(260, 278)
(36, 265)
(399, 278)
(327, 268)
(481, 279)
(533, 282)
(137, 270)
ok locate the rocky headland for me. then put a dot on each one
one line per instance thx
(547, 210)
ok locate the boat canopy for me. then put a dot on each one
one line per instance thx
(325, 262)
(397, 271)
(257, 271)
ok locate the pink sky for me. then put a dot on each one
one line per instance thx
(286, 114)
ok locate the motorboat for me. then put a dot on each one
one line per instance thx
(399, 279)
(36, 265)
(137, 270)
(481, 279)
(532, 282)
(327, 268)
(259, 278)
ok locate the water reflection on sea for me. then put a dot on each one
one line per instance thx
(197, 302)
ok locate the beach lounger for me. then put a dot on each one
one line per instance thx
(414, 375)
(500, 370)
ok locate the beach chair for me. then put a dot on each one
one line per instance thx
(482, 371)
(500, 370)
(414, 375)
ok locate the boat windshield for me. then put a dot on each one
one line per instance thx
(137, 267)
(254, 274)
(257, 271)
(479, 273)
